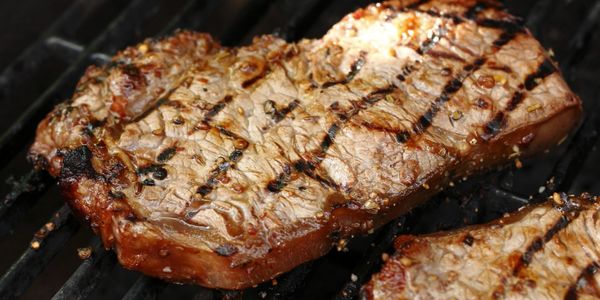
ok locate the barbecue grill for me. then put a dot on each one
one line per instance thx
(39, 236)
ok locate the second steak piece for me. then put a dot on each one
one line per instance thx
(548, 251)
(228, 166)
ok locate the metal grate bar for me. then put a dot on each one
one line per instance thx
(538, 13)
(300, 21)
(117, 33)
(49, 240)
(569, 164)
(579, 44)
(66, 50)
(291, 282)
(23, 195)
(249, 17)
(501, 193)
(189, 16)
(21, 69)
(31, 185)
(372, 259)
(144, 288)
(89, 275)
(101, 263)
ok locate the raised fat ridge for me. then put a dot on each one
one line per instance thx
(547, 251)
(228, 166)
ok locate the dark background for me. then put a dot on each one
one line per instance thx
(23, 22)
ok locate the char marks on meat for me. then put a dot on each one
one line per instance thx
(547, 251)
(233, 165)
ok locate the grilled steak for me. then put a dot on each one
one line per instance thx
(547, 251)
(228, 166)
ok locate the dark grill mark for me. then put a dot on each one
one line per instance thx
(468, 240)
(204, 190)
(417, 4)
(158, 171)
(178, 120)
(446, 55)
(504, 39)
(275, 186)
(505, 69)
(159, 102)
(148, 182)
(512, 25)
(510, 30)
(276, 114)
(328, 139)
(543, 71)
(116, 194)
(222, 168)
(237, 154)
(218, 171)
(166, 154)
(507, 26)
(493, 127)
(474, 10)
(303, 166)
(539, 243)
(227, 133)
(482, 103)
(151, 169)
(218, 107)
(568, 215)
(406, 71)
(77, 163)
(226, 250)
(252, 80)
(309, 167)
(284, 112)
(131, 70)
(354, 69)
(586, 276)
(403, 136)
(453, 86)
(160, 174)
(455, 18)
(515, 101)
(381, 128)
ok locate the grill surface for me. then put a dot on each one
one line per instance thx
(47, 48)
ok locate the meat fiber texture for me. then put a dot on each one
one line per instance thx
(547, 251)
(226, 167)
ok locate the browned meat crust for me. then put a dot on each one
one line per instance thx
(547, 251)
(228, 166)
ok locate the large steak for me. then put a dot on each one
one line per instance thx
(228, 166)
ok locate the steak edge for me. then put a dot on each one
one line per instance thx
(226, 167)
(547, 251)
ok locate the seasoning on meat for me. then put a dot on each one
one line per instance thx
(281, 150)
(547, 251)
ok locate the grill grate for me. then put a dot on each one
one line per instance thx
(339, 274)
